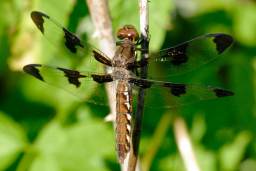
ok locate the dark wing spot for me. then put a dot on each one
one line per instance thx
(102, 78)
(222, 41)
(32, 70)
(176, 89)
(73, 76)
(222, 93)
(37, 17)
(140, 83)
(71, 41)
(102, 59)
(178, 54)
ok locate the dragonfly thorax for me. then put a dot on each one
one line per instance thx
(120, 73)
(125, 54)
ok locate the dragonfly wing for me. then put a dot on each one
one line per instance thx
(81, 84)
(71, 44)
(187, 56)
(175, 95)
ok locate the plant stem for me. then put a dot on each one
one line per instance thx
(136, 132)
(184, 144)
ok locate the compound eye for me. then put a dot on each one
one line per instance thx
(128, 31)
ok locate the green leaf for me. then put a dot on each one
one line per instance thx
(159, 22)
(12, 141)
(86, 145)
(245, 24)
(231, 154)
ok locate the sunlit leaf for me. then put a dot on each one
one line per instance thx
(12, 141)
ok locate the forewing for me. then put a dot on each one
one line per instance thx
(188, 55)
(86, 86)
(170, 95)
(71, 44)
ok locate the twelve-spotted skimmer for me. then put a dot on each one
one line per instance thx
(179, 59)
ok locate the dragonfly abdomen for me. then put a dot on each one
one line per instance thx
(123, 119)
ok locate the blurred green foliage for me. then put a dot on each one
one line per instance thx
(45, 128)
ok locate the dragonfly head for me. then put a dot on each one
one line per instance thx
(128, 32)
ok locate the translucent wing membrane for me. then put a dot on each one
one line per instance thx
(171, 95)
(52, 30)
(171, 61)
(188, 55)
(81, 84)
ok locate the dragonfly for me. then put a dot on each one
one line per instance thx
(125, 64)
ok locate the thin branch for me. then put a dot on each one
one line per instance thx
(136, 132)
(103, 26)
(184, 145)
(103, 29)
